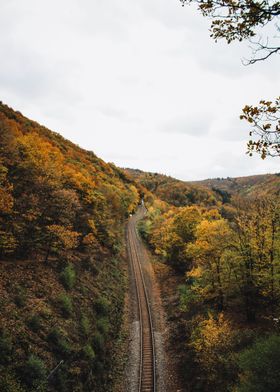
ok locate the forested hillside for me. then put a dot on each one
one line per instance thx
(220, 266)
(173, 191)
(63, 274)
(213, 191)
(62, 279)
(264, 184)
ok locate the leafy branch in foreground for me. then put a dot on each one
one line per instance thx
(238, 19)
(265, 120)
(242, 20)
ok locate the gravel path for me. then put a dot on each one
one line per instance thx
(131, 373)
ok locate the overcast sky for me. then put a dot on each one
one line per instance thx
(138, 82)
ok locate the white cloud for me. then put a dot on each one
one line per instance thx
(139, 83)
(192, 124)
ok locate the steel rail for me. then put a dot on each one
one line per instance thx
(147, 366)
(149, 312)
(132, 258)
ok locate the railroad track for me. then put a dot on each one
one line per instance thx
(147, 365)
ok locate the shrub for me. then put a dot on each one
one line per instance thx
(244, 338)
(20, 297)
(46, 312)
(65, 304)
(60, 344)
(103, 326)
(116, 248)
(102, 306)
(34, 373)
(68, 277)
(88, 352)
(89, 264)
(260, 366)
(98, 342)
(2, 304)
(5, 348)
(34, 323)
(85, 325)
(9, 383)
(59, 381)
(84, 290)
(187, 297)
(144, 228)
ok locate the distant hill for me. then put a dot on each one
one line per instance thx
(249, 185)
(206, 192)
(173, 191)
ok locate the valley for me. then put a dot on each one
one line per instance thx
(119, 280)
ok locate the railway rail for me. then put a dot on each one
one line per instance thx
(147, 363)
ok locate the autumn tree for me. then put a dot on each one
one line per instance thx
(154, 218)
(256, 262)
(171, 238)
(39, 199)
(213, 238)
(60, 240)
(175, 192)
(7, 239)
(48, 182)
(6, 198)
(130, 199)
(213, 341)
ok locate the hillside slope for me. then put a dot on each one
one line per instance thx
(209, 192)
(249, 185)
(173, 191)
(219, 269)
(62, 274)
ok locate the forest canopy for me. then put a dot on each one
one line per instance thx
(55, 197)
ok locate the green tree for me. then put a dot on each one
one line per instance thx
(260, 367)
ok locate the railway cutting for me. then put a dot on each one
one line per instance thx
(147, 364)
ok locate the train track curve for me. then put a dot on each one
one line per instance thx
(147, 363)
